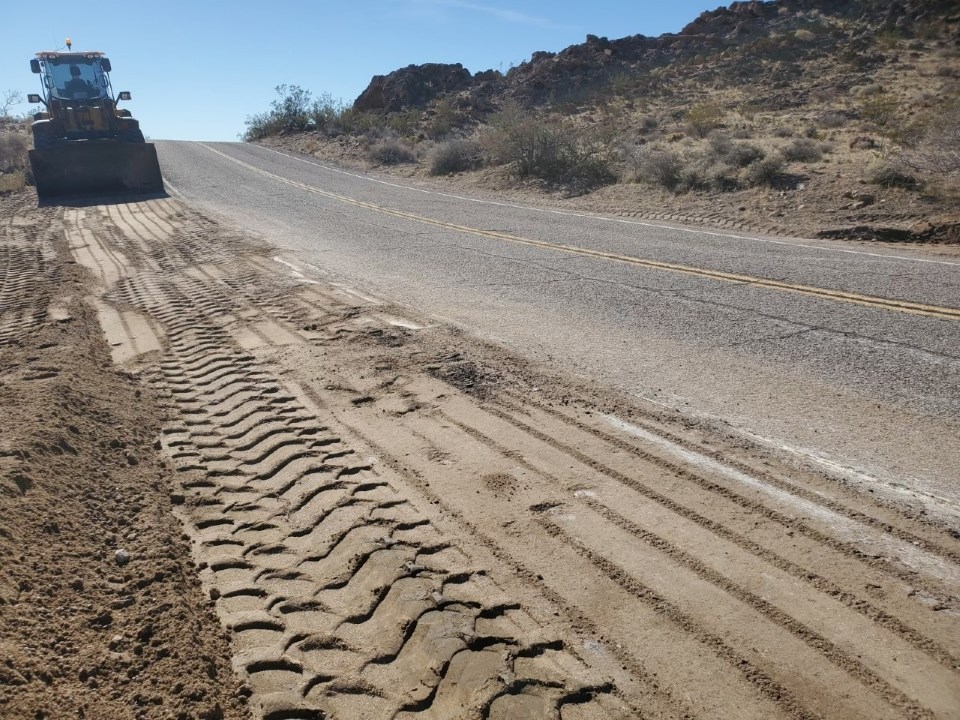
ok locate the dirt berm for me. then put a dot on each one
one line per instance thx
(389, 519)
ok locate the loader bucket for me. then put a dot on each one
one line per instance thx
(96, 168)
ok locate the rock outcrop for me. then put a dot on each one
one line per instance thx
(413, 87)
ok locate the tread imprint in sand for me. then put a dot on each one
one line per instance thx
(347, 599)
(343, 599)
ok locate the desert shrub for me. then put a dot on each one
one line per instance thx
(744, 154)
(455, 156)
(951, 71)
(768, 171)
(832, 119)
(327, 114)
(355, 121)
(261, 125)
(290, 111)
(863, 91)
(802, 150)
(671, 170)
(736, 154)
(892, 174)
(782, 131)
(390, 152)
(8, 100)
(547, 147)
(804, 35)
(701, 172)
(404, 123)
(648, 124)
(702, 118)
(656, 166)
(11, 182)
(443, 119)
(881, 110)
(887, 39)
(938, 152)
(13, 151)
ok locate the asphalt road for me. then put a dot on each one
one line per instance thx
(840, 354)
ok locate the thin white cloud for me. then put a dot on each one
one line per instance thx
(511, 16)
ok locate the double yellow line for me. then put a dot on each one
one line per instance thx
(903, 306)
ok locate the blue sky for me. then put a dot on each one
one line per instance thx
(198, 68)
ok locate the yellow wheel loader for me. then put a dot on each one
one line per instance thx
(83, 143)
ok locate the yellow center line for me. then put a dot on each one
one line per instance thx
(904, 306)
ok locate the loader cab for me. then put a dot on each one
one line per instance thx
(74, 78)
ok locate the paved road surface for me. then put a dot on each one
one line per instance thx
(843, 355)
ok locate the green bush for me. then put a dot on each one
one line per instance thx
(455, 156)
(291, 111)
(328, 114)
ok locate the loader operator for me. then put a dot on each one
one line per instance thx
(76, 87)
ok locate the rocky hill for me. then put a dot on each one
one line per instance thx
(812, 116)
(739, 44)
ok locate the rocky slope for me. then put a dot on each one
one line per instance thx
(794, 116)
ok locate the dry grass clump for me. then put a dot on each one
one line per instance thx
(937, 150)
(14, 169)
(832, 119)
(12, 182)
(892, 173)
(13, 151)
(391, 152)
(702, 118)
(802, 150)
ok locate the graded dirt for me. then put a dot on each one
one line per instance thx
(390, 519)
(83, 635)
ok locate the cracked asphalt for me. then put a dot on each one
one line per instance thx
(872, 390)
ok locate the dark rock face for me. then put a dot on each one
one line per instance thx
(412, 87)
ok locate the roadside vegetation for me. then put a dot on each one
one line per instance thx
(14, 144)
(793, 120)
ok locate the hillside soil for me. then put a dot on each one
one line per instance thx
(388, 519)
